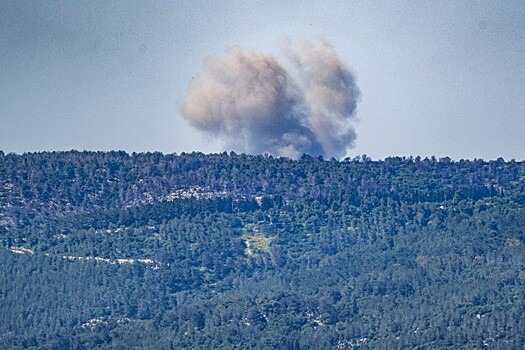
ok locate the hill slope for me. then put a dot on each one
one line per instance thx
(117, 251)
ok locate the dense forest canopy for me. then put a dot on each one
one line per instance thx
(107, 250)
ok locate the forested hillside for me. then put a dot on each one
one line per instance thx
(106, 250)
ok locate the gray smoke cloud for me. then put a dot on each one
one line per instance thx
(255, 104)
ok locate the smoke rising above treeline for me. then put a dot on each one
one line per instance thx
(256, 104)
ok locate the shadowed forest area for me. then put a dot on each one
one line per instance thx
(107, 250)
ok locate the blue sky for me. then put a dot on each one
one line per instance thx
(440, 78)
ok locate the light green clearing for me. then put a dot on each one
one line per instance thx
(257, 243)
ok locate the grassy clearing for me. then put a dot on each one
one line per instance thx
(257, 243)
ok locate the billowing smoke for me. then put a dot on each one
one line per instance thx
(255, 104)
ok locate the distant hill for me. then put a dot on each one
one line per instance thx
(106, 250)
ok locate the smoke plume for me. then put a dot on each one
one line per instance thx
(255, 104)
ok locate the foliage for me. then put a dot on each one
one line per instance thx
(149, 251)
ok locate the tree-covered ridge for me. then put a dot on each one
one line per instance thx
(111, 250)
(84, 181)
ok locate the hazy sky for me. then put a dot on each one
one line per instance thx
(444, 78)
